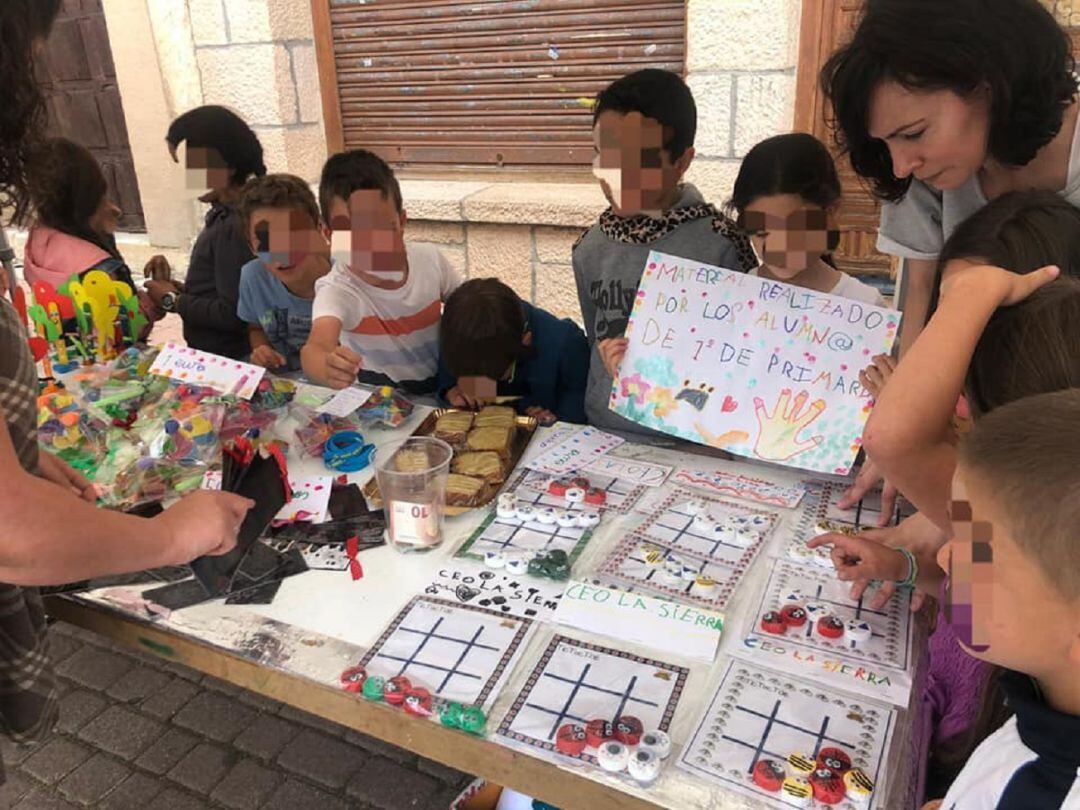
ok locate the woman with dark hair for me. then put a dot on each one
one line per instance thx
(945, 106)
(221, 153)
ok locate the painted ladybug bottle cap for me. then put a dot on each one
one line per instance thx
(835, 759)
(597, 732)
(768, 775)
(628, 730)
(830, 627)
(418, 702)
(352, 679)
(570, 739)
(394, 692)
(793, 615)
(827, 786)
(773, 622)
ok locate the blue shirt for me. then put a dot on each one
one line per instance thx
(266, 302)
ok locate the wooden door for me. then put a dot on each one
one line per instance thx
(84, 100)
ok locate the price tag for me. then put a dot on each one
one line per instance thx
(414, 524)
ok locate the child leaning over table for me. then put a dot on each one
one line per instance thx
(376, 314)
(643, 130)
(495, 344)
(277, 288)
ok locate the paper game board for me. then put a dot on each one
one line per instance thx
(457, 652)
(759, 713)
(619, 495)
(575, 682)
(744, 487)
(759, 368)
(879, 667)
(513, 536)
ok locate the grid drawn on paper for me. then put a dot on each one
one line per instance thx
(761, 714)
(575, 682)
(458, 652)
(318, 556)
(510, 535)
(531, 487)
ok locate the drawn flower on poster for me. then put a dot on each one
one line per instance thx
(663, 402)
(635, 388)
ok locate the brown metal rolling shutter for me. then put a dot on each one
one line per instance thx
(490, 82)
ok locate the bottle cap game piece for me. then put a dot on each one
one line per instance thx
(796, 791)
(525, 512)
(597, 732)
(506, 506)
(800, 553)
(835, 759)
(473, 720)
(759, 522)
(450, 714)
(570, 739)
(822, 557)
(656, 741)
(373, 687)
(830, 627)
(588, 519)
(858, 785)
(566, 519)
(688, 573)
(858, 630)
(704, 523)
(418, 702)
(654, 556)
(574, 495)
(673, 565)
(596, 497)
(704, 586)
(580, 482)
(547, 515)
(769, 775)
(494, 559)
(746, 536)
(724, 532)
(644, 766)
(815, 611)
(395, 689)
(628, 730)
(800, 765)
(613, 756)
(516, 565)
(558, 487)
(695, 507)
(793, 615)
(352, 679)
(832, 527)
(794, 598)
(773, 622)
(827, 786)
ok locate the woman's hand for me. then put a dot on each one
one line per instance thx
(868, 478)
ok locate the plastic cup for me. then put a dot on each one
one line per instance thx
(411, 475)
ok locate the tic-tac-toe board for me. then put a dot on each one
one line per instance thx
(575, 682)
(620, 495)
(671, 530)
(513, 536)
(759, 714)
(457, 652)
(879, 667)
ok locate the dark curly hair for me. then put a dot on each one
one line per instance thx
(277, 191)
(657, 94)
(214, 127)
(23, 24)
(1014, 47)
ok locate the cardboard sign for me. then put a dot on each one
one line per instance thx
(184, 364)
(631, 470)
(759, 368)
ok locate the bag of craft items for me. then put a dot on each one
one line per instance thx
(385, 407)
(149, 480)
(185, 435)
(69, 430)
(273, 394)
(314, 428)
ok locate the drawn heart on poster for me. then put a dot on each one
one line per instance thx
(729, 405)
(466, 594)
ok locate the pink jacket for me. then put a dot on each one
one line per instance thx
(53, 256)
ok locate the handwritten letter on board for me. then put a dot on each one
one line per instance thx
(762, 369)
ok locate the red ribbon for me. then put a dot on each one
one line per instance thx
(352, 548)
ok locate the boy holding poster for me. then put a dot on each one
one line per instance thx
(643, 129)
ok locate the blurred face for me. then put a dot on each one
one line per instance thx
(997, 600)
(206, 173)
(788, 235)
(935, 136)
(107, 217)
(288, 242)
(369, 238)
(634, 169)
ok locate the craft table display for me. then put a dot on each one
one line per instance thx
(485, 637)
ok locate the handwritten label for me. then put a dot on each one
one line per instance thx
(476, 584)
(668, 626)
(575, 452)
(756, 367)
(413, 524)
(757, 490)
(184, 364)
(345, 402)
(642, 473)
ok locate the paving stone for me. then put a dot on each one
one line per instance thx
(203, 767)
(166, 751)
(218, 685)
(181, 670)
(138, 684)
(77, 708)
(134, 793)
(266, 736)
(444, 774)
(388, 785)
(16, 785)
(11, 754)
(246, 786)
(41, 798)
(312, 721)
(377, 746)
(121, 731)
(62, 646)
(260, 702)
(322, 759)
(55, 760)
(170, 699)
(94, 668)
(93, 779)
(294, 795)
(215, 715)
(174, 799)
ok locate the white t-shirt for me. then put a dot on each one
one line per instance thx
(851, 287)
(395, 332)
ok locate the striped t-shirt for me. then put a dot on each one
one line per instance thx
(395, 332)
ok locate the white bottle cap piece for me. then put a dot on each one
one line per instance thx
(517, 565)
(613, 756)
(566, 519)
(575, 495)
(704, 523)
(746, 536)
(588, 519)
(800, 553)
(546, 515)
(656, 741)
(858, 630)
(526, 512)
(822, 556)
(644, 766)
(494, 559)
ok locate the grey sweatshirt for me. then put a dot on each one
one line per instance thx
(608, 262)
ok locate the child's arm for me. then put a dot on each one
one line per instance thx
(907, 435)
(262, 350)
(859, 558)
(324, 360)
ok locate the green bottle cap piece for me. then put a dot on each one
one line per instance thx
(557, 557)
(374, 687)
(450, 715)
(537, 568)
(473, 720)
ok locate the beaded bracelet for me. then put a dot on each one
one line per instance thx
(913, 569)
(345, 451)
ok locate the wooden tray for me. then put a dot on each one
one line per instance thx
(526, 428)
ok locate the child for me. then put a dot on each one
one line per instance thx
(492, 339)
(376, 315)
(222, 153)
(643, 129)
(785, 194)
(281, 219)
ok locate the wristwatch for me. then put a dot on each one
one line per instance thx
(168, 301)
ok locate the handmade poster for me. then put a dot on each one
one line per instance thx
(759, 715)
(658, 623)
(513, 536)
(467, 583)
(184, 364)
(579, 449)
(620, 495)
(310, 500)
(867, 651)
(575, 682)
(457, 652)
(345, 402)
(759, 368)
(744, 487)
(631, 470)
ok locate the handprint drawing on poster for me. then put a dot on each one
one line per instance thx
(778, 435)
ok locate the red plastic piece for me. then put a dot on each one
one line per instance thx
(830, 627)
(793, 615)
(352, 679)
(773, 622)
(835, 759)
(628, 730)
(596, 497)
(396, 689)
(597, 732)
(571, 739)
(558, 487)
(418, 702)
(768, 775)
(828, 786)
